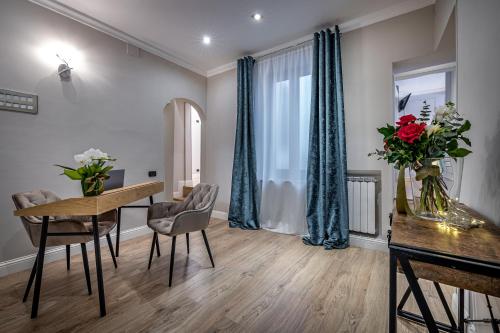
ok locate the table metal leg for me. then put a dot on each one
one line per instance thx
(68, 257)
(100, 283)
(30, 281)
(392, 292)
(418, 294)
(447, 309)
(39, 266)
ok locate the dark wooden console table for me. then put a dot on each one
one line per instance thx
(422, 249)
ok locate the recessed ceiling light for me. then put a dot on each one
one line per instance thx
(206, 40)
(257, 17)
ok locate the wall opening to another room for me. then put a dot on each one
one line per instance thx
(183, 147)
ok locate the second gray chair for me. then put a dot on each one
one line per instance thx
(175, 218)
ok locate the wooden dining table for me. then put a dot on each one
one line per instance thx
(84, 206)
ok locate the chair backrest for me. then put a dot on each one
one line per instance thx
(202, 197)
(115, 180)
(31, 199)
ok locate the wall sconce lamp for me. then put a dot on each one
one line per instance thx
(64, 71)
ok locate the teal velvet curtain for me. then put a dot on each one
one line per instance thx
(245, 195)
(327, 210)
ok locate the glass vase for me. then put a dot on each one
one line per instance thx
(435, 181)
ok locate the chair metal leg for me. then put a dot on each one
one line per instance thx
(118, 224)
(172, 255)
(68, 257)
(39, 266)
(30, 281)
(98, 265)
(153, 243)
(187, 241)
(86, 267)
(157, 245)
(208, 247)
(110, 245)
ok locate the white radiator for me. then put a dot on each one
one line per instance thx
(361, 192)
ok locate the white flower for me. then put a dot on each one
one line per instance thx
(440, 113)
(431, 129)
(88, 156)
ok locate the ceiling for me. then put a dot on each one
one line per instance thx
(176, 27)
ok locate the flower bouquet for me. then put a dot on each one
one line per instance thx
(421, 143)
(93, 171)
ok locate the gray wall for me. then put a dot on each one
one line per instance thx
(114, 102)
(478, 52)
(478, 74)
(221, 126)
(368, 56)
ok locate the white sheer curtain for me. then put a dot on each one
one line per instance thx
(282, 100)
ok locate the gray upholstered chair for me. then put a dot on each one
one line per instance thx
(175, 218)
(62, 224)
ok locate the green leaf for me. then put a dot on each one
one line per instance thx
(72, 174)
(466, 140)
(64, 167)
(452, 145)
(465, 127)
(386, 131)
(459, 152)
(106, 169)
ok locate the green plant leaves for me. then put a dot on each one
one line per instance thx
(459, 152)
(72, 174)
(465, 127)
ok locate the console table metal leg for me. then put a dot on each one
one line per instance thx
(39, 267)
(447, 309)
(392, 293)
(461, 319)
(100, 283)
(418, 294)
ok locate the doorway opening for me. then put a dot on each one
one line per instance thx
(183, 147)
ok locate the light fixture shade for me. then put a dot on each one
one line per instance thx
(64, 72)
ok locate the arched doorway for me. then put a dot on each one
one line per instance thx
(184, 146)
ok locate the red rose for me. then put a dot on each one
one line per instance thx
(405, 120)
(411, 132)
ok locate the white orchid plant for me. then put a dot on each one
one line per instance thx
(93, 170)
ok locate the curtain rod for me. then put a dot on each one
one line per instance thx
(286, 46)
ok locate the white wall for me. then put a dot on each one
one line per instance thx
(443, 12)
(114, 102)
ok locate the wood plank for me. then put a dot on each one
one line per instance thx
(262, 282)
(94, 205)
(477, 243)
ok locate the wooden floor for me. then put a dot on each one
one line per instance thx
(263, 282)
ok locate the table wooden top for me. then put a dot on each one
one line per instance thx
(84, 206)
(481, 243)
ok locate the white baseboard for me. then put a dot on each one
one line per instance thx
(56, 253)
(218, 214)
(53, 254)
(355, 240)
(370, 243)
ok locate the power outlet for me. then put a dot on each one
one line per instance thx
(152, 173)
